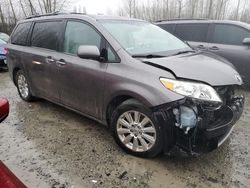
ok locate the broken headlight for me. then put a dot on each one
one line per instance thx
(192, 89)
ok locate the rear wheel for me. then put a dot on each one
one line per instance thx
(23, 86)
(135, 130)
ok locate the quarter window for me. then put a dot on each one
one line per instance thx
(192, 32)
(77, 34)
(111, 55)
(20, 34)
(229, 34)
(46, 35)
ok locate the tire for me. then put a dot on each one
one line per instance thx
(23, 86)
(143, 135)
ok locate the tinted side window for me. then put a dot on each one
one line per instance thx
(46, 35)
(20, 34)
(167, 27)
(192, 32)
(78, 33)
(229, 34)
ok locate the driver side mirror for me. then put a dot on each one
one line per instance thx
(88, 52)
(246, 41)
(4, 109)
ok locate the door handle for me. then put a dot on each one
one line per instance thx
(215, 48)
(50, 60)
(60, 62)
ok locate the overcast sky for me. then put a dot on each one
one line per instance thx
(109, 6)
(98, 6)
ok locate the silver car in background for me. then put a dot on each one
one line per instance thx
(228, 39)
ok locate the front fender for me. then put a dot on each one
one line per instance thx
(149, 95)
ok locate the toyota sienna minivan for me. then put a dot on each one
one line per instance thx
(153, 91)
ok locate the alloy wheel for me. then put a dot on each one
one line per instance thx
(136, 131)
(23, 86)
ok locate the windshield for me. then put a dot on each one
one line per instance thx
(4, 37)
(143, 38)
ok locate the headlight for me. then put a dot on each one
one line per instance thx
(192, 89)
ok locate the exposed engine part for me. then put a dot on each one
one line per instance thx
(186, 117)
(208, 126)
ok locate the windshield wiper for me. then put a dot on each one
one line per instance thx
(148, 56)
(184, 52)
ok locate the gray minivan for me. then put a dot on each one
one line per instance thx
(228, 39)
(152, 90)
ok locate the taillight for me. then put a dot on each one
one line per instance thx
(8, 179)
(4, 109)
(5, 50)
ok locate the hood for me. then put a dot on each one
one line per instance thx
(199, 66)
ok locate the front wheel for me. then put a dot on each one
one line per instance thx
(135, 130)
(23, 86)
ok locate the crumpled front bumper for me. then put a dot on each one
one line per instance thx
(210, 132)
(222, 131)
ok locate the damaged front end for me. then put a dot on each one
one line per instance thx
(198, 127)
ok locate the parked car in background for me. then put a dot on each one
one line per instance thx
(228, 39)
(149, 87)
(3, 52)
(4, 109)
(4, 37)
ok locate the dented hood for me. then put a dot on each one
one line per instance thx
(199, 66)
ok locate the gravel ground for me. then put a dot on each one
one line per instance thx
(48, 146)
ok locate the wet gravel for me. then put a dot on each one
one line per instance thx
(48, 146)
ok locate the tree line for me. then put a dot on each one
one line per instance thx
(153, 10)
(13, 10)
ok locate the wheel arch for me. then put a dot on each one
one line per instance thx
(118, 99)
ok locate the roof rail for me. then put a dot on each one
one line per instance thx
(78, 13)
(181, 19)
(48, 14)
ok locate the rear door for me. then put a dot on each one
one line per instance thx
(42, 57)
(196, 34)
(81, 80)
(227, 41)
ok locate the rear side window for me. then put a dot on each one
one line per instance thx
(20, 34)
(78, 33)
(229, 34)
(168, 27)
(46, 35)
(192, 32)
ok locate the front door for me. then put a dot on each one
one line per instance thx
(81, 80)
(195, 34)
(227, 41)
